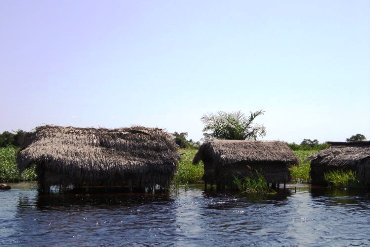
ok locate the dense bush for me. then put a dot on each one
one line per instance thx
(13, 139)
(6, 139)
(182, 141)
(253, 185)
(8, 167)
(187, 173)
(301, 172)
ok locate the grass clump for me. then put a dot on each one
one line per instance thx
(252, 185)
(8, 167)
(301, 172)
(341, 179)
(187, 173)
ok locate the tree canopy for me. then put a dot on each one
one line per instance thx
(309, 142)
(232, 126)
(12, 138)
(182, 141)
(356, 138)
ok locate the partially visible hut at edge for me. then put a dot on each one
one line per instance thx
(343, 156)
(225, 160)
(133, 159)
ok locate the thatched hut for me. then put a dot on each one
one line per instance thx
(343, 156)
(225, 160)
(134, 158)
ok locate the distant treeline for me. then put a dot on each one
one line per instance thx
(16, 139)
(308, 144)
(182, 141)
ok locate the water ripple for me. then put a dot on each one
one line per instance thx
(187, 218)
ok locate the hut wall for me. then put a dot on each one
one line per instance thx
(226, 174)
(317, 172)
(209, 176)
(129, 182)
(363, 171)
(276, 173)
(361, 168)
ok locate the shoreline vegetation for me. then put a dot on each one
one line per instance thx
(342, 179)
(187, 173)
(9, 172)
(301, 172)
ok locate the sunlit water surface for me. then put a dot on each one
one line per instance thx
(189, 217)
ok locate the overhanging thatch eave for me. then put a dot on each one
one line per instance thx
(338, 156)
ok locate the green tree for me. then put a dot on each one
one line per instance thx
(232, 126)
(309, 142)
(182, 141)
(356, 138)
(6, 139)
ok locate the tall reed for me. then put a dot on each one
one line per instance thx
(187, 173)
(301, 172)
(252, 185)
(342, 179)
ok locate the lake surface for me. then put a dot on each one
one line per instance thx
(186, 218)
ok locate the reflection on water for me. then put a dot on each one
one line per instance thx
(187, 218)
(60, 201)
(354, 198)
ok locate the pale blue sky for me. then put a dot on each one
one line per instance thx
(166, 63)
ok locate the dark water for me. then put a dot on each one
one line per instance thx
(187, 218)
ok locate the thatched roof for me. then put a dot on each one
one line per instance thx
(342, 155)
(100, 153)
(228, 152)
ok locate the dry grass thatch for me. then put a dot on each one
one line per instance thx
(226, 159)
(344, 156)
(139, 157)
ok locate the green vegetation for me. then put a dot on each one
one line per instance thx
(12, 139)
(301, 172)
(356, 138)
(232, 126)
(182, 142)
(307, 148)
(187, 173)
(7, 138)
(8, 168)
(252, 185)
(342, 179)
(308, 145)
